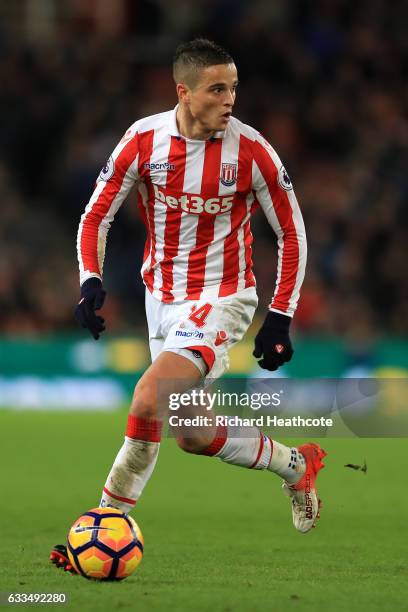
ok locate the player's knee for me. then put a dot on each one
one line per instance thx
(194, 444)
(144, 403)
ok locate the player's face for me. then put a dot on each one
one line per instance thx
(212, 98)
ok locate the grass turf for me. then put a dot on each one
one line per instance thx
(217, 537)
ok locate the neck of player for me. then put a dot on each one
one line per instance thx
(190, 127)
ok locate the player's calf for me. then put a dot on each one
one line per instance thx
(192, 438)
(137, 457)
(249, 447)
(134, 464)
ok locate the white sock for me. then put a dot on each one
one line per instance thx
(247, 447)
(287, 462)
(250, 448)
(130, 472)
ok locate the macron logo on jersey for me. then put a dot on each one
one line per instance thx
(158, 166)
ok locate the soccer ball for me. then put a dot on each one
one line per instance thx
(105, 544)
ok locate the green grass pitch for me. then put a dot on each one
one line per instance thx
(217, 537)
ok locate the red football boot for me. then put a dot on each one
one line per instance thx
(59, 556)
(305, 502)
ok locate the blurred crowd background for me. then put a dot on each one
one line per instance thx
(325, 81)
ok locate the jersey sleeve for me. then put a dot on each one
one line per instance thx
(112, 186)
(274, 192)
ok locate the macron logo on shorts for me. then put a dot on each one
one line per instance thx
(190, 334)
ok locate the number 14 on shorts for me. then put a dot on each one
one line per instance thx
(199, 315)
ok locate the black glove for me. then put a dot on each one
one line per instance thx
(92, 298)
(273, 342)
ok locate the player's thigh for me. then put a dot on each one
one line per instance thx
(169, 373)
(156, 347)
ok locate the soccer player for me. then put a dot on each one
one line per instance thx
(200, 174)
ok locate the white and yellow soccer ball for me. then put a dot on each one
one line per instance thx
(105, 544)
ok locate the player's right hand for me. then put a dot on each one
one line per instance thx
(92, 299)
(272, 343)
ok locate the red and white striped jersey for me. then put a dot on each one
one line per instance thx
(196, 198)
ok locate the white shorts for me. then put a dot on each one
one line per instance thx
(203, 330)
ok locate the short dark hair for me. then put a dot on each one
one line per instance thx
(196, 54)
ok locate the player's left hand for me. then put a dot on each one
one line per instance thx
(272, 343)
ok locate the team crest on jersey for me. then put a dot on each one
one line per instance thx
(228, 174)
(284, 180)
(108, 170)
